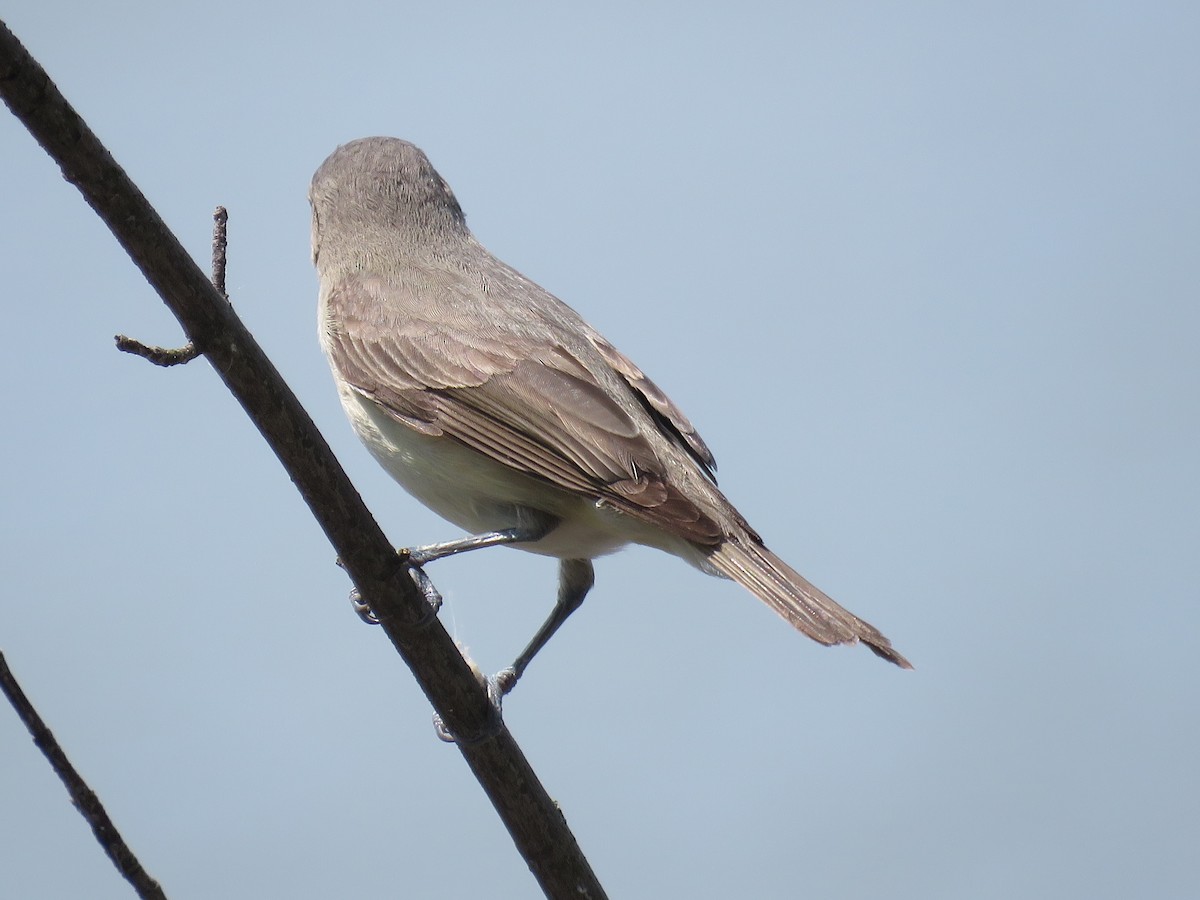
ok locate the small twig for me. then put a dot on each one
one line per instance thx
(160, 356)
(220, 220)
(82, 796)
(168, 356)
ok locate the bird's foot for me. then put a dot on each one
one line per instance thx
(362, 608)
(433, 598)
(495, 721)
(504, 680)
(418, 556)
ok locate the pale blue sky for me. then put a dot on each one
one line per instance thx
(925, 277)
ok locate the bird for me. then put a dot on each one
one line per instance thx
(497, 406)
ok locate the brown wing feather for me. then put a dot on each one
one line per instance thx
(545, 416)
(659, 404)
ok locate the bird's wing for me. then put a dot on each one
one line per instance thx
(530, 405)
(666, 414)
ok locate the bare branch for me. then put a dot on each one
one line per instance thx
(82, 796)
(536, 824)
(168, 356)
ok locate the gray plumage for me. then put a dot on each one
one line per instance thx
(495, 404)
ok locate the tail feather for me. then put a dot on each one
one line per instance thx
(792, 596)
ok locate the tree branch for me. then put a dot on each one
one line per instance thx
(82, 796)
(536, 824)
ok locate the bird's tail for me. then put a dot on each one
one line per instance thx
(791, 595)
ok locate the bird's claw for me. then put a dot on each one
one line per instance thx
(433, 598)
(503, 681)
(495, 692)
(362, 608)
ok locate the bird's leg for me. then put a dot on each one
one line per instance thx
(575, 579)
(532, 526)
(418, 556)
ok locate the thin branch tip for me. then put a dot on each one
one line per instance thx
(82, 796)
(220, 243)
(160, 356)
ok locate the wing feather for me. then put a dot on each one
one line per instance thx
(531, 405)
(667, 413)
